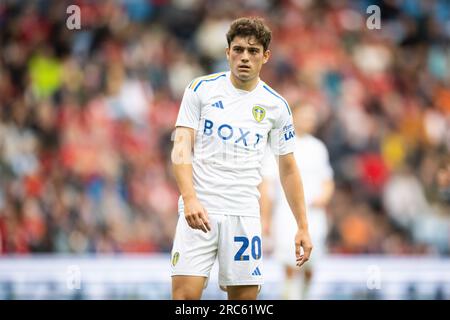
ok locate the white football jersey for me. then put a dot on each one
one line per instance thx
(233, 128)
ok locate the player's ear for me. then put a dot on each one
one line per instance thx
(266, 56)
(227, 52)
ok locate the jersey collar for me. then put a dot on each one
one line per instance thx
(240, 91)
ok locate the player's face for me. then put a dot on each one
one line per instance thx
(246, 57)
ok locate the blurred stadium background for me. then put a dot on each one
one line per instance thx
(87, 197)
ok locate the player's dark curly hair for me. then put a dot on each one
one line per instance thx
(252, 26)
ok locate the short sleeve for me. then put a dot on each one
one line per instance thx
(189, 113)
(282, 135)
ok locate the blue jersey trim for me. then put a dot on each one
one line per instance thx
(198, 85)
(279, 97)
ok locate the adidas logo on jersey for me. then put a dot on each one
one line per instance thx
(218, 104)
(256, 272)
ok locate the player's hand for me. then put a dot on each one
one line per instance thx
(196, 215)
(302, 241)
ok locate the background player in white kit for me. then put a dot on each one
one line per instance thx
(317, 176)
(229, 118)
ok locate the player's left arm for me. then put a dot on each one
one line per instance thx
(293, 189)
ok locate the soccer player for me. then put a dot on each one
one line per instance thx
(225, 122)
(317, 175)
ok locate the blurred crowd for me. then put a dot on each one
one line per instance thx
(86, 116)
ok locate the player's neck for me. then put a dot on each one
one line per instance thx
(244, 85)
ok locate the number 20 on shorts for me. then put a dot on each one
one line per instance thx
(255, 248)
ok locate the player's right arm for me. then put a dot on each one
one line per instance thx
(195, 213)
(187, 122)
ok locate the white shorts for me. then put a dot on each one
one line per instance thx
(234, 240)
(284, 229)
